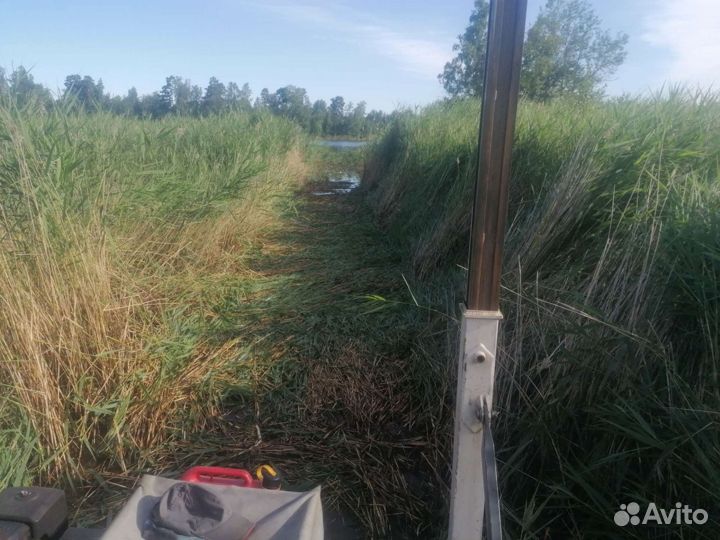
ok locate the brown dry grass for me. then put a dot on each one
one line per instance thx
(86, 345)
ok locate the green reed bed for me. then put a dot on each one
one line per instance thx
(607, 379)
(116, 234)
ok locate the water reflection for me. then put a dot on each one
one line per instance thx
(340, 145)
(340, 185)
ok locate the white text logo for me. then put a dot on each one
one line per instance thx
(682, 514)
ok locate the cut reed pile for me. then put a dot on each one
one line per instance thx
(608, 377)
(116, 233)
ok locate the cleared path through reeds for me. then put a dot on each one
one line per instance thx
(338, 381)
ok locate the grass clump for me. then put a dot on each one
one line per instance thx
(608, 361)
(116, 235)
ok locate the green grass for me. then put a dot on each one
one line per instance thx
(607, 378)
(341, 378)
(116, 235)
(173, 294)
(332, 161)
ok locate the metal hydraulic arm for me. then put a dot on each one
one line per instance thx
(474, 476)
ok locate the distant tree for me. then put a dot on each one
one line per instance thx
(238, 98)
(232, 92)
(177, 96)
(214, 99)
(336, 116)
(21, 86)
(357, 126)
(186, 102)
(151, 105)
(116, 105)
(131, 103)
(91, 94)
(568, 53)
(375, 121)
(565, 52)
(292, 102)
(337, 106)
(463, 75)
(318, 123)
(166, 96)
(100, 93)
(72, 82)
(3, 82)
(245, 97)
(73, 85)
(86, 93)
(196, 95)
(263, 101)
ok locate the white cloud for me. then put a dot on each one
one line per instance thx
(690, 31)
(417, 55)
(413, 53)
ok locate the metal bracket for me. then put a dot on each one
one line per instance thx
(476, 375)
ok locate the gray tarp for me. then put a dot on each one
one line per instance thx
(279, 515)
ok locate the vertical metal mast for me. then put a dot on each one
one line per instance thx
(497, 123)
(473, 451)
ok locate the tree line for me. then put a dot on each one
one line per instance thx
(179, 96)
(566, 52)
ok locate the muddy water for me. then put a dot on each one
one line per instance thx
(343, 183)
(342, 145)
(339, 185)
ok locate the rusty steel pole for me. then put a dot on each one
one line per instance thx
(474, 496)
(497, 124)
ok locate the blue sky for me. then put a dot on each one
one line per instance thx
(387, 53)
